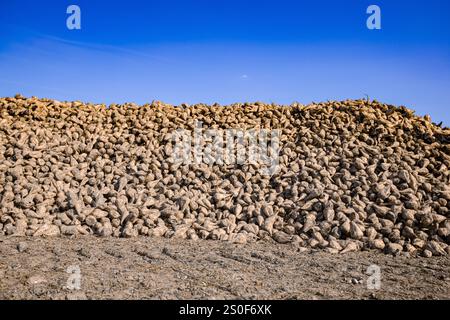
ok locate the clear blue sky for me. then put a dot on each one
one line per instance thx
(229, 51)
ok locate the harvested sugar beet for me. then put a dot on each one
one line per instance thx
(339, 176)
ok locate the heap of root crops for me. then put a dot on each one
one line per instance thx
(353, 175)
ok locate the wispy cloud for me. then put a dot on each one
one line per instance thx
(107, 48)
(39, 37)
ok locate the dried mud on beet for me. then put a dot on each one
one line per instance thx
(159, 268)
(352, 175)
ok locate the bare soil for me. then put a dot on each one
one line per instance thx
(158, 268)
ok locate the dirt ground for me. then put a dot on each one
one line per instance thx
(155, 268)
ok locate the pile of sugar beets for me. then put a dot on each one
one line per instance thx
(353, 175)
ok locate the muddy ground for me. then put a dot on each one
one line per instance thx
(155, 268)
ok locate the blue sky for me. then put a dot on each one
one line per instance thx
(229, 51)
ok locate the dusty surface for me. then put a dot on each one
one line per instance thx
(158, 268)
